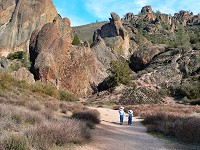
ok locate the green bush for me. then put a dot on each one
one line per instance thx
(191, 91)
(15, 142)
(76, 40)
(120, 72)
(66, 96)
(42, 88)
(16, 55)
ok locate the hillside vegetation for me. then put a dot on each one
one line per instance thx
(32, 116)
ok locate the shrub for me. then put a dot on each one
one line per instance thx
(120, 74)
(15, 142)
(191, 91)
(35, 106)
(45, 136)
(66, 96)
(51, 106)
(76, 40)
(47, 89)
(73, 108)
(16, 55)
(173, 121)
(90, 116)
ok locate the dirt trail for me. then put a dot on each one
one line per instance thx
(110, 135)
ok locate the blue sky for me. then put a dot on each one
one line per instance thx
(82, 12)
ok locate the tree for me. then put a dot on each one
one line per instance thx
(120, 72)
(183, 39)
(76, 40)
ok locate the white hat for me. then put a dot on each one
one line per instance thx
(121, 107)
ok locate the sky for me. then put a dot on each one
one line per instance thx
(81, 12)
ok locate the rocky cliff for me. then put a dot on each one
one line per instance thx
(56, 61)
(18, 19)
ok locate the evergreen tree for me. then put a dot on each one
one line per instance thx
(76, 40)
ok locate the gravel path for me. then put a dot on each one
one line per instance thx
(110, 135)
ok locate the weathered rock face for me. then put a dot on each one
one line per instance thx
(183, 17)
(195, 20)
(170, 68)
(18, 19)
(25, 75)
(115, 36)
(129, 16)
(141, 58)
(56, 61)
(146, 9)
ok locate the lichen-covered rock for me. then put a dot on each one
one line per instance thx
(56, 61)
(18, 19)
(140, 95)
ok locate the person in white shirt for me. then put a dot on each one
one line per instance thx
(130, 117)
(121, 114)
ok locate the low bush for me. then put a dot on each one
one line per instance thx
(45, 136)
(35, 106)
(42, 88)
(173, 120)
(91, 117)
(51, 105)
(16, 55)
(66, 96)
(72, 108)
(15, 142)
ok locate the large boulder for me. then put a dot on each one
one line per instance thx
(19, 18)
(56, 61)
(141, 58)
(25, 75)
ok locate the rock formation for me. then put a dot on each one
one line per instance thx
(146, 9)
(25, 75)
(115, 37)
(56, 61)
(18, 19)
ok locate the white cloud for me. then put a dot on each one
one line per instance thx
(141, 2)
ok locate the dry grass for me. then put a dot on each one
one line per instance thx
(177, 120)
(28, 113)
(91, 117)
(72, 108)
(14, 142)
(47, 135)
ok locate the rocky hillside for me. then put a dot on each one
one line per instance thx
(162, 51)
(18, 19)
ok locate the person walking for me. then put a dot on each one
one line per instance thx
(130, 117)
(121, 114)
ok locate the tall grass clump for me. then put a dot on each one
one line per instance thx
(15, 142)
(47, 135)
